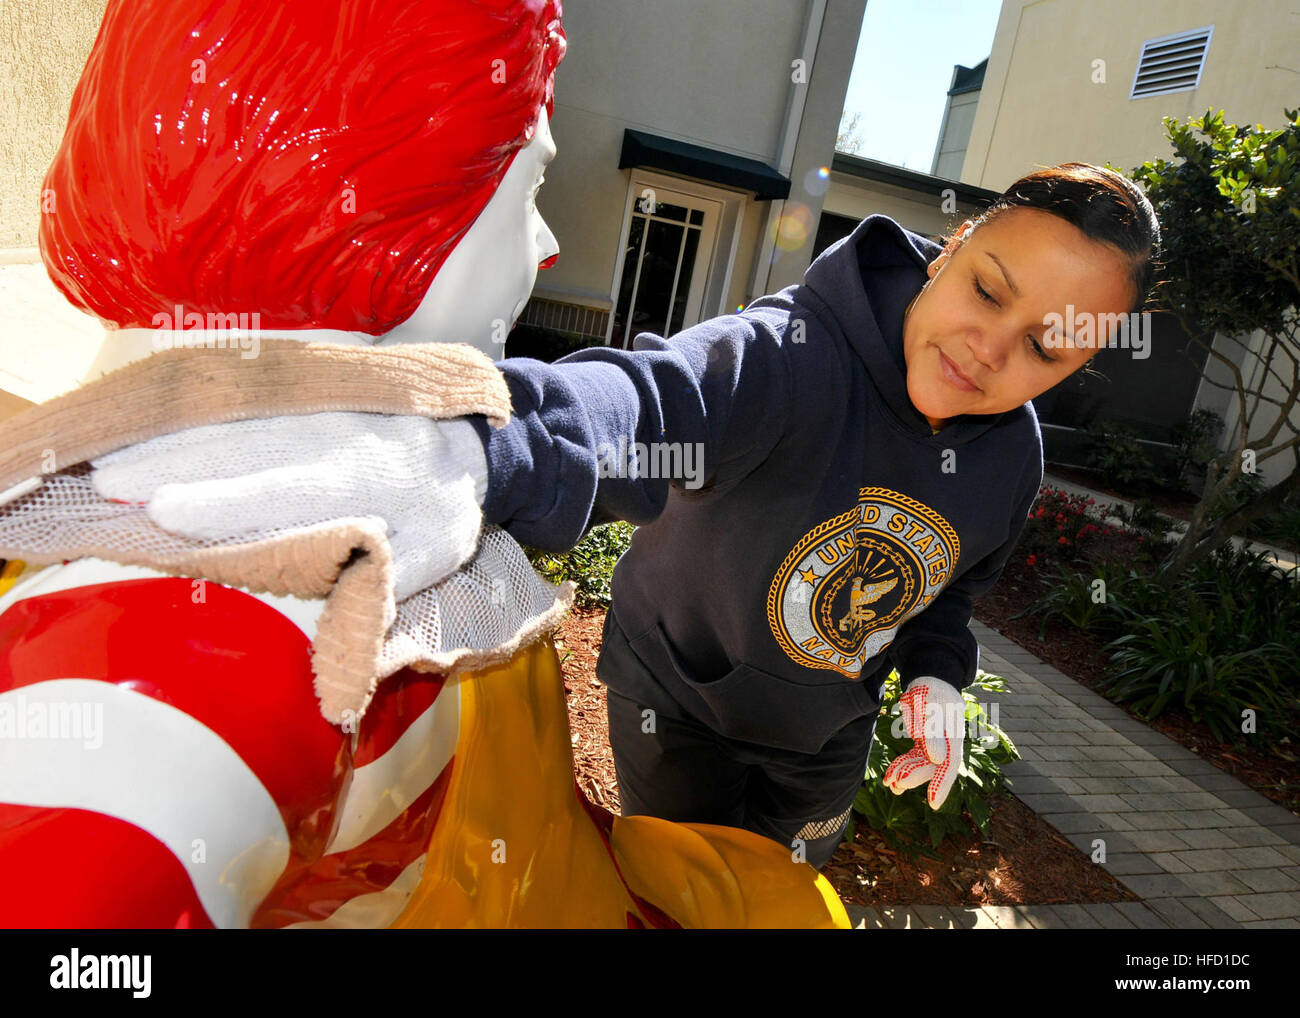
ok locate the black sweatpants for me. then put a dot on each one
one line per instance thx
(686, 772)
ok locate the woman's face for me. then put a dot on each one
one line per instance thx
(969, 352)
(483, 285)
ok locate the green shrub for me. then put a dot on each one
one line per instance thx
(589, 563)
(1060, 526)
(1174, 662)
(1221, 639)
(1258, 604)
(1244, 488)
(907, 820)
(1195, 440)
(1144, 518)
(1073, 599)
(1281, 528)
(1114, 450)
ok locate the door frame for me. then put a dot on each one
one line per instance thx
(714, 261)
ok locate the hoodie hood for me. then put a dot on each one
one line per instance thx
(863, 284)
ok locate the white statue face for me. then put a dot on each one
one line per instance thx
(482, 287)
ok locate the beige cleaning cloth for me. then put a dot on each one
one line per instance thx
(493, 605)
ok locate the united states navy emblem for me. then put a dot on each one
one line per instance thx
(841, 594)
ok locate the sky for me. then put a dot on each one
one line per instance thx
(903, 69)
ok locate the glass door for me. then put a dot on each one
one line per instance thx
(665, 264)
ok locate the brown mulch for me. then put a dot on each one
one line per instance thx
(577, 641)
(1025, 861)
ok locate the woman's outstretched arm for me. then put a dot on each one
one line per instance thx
(701, 408)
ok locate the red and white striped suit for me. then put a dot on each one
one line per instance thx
(218, 795)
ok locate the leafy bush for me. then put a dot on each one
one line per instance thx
(1144, 518)
(1073, 599)
(1244, 488)
(1222, 639)
(1281, 528)
(1259, 604)
(1060, 525)
(906, 820)
(1174, 661)
(1114, 450)
(1195, 440)
(589, 563)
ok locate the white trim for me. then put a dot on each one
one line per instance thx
(737, 210)
(797, 100)
(760, 274)
(723, 212)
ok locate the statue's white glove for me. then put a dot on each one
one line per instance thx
(934, 714)
(425, 478)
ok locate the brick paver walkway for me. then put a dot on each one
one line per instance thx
(1200, 848)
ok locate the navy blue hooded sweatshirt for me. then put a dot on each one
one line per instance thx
(834, 534)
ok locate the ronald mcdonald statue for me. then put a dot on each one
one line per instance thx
(351, 715)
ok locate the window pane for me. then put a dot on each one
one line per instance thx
(684, 282)
(630, 256)
(658, 265)
(663, 210)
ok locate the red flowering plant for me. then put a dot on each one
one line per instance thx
(1060, 526)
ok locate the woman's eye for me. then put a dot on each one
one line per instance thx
(988, 299)
(982, 295)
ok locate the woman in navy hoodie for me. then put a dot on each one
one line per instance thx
(869, 458)
(823, 484)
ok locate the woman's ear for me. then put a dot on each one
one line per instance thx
(954, 242)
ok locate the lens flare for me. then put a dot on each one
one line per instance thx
(795, 225)
(817, 181)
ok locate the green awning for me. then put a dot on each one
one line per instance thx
(656, 152)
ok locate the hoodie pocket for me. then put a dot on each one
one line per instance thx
(752, 705)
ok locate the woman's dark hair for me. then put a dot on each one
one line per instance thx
(1104, 204)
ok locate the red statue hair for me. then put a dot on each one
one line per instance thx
(314, 161)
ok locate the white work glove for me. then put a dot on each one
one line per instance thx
(425, 478)
(934, 714)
